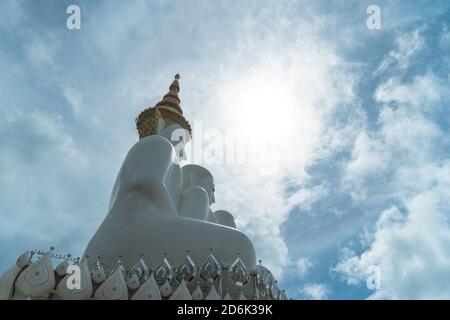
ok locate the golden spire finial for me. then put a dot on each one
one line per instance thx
(168, 108)
(171, 98)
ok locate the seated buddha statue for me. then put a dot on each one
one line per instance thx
(150, 215)
(198, 195)
(225, 218)
(197, 192)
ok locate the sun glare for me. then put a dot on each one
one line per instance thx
(260, 107)
(271, 106)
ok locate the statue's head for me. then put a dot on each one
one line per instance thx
(195, 175)
(175, 132)
(225, 218)
(166, 119)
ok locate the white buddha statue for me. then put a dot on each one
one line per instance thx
(158, 210)
(225, 218)
(197, 192)
(150, 212)
(198, 195)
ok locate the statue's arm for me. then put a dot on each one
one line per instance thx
(211, 217)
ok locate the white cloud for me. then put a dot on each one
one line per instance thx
(315, 291)
(12, 14)
(36, 135)
(407, 138)
(422, 92)
(407, 45)
(40, 52)
(304, 265)
(401, 161)
(40, 169)
(412, 249)
(444, 39)
(74, 97)
(369, 161)
(304, 198)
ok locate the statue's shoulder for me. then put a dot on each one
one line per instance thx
(151, 152)
(197, 192)
(154, 144)
(154, 140)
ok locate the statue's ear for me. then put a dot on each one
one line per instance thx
(160, 126)
(194, 178)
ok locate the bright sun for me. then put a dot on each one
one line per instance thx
(271, 104)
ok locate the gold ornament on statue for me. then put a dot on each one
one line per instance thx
(168, 109)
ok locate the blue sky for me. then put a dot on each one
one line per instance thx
(361, 118)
